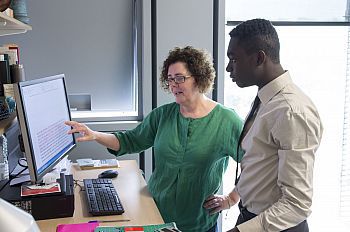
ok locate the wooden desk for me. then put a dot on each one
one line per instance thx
(138, 204)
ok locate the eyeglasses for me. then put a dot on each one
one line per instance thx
(176, 80)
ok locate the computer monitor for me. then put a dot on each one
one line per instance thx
(42, 109)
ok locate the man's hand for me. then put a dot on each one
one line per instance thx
(217, 203)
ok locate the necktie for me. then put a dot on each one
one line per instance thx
(250, 117)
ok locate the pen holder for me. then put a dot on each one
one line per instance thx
(17, 73)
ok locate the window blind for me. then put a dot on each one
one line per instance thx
(345, 172)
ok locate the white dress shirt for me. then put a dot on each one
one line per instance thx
(276, 180)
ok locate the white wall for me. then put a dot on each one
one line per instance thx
(89, 41)
(181, 23)
(177, 23)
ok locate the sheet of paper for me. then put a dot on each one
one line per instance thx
(20, 179)
(18, 169)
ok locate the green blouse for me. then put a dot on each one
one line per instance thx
(191, 156)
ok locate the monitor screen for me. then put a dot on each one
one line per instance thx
(42, 109)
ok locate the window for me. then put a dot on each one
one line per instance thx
(314, 49)
(287, 10)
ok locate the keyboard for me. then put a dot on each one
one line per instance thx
(102, 197)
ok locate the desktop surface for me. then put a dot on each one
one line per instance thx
(139, 206)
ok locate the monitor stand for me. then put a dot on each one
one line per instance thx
(64, 184)
(44, 206)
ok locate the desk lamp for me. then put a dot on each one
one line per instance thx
(14, 219)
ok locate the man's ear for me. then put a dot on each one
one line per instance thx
(260, 58)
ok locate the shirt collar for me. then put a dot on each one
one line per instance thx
(273, 87)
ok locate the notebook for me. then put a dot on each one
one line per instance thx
(79, 227)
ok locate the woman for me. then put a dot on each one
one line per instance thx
(192, 137)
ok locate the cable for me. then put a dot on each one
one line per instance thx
(12, 177)
(76, 183)
(22, 165)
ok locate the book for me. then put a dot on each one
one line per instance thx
(15, 48)
(8, 90)
(4, 108)
(12, 54)
(30, 190)
(78, 227)
(86, 164)
(9, 96)
(5, 77)
(168, 227)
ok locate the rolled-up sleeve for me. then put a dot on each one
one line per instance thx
(139, 138)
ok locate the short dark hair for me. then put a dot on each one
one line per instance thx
(198, 62)
(258, 34)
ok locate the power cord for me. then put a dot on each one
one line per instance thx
(12, 177)
(77, 184)
(23, 165)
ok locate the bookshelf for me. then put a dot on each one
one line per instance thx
(10, 26)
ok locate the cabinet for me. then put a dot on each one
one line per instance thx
(10, 26)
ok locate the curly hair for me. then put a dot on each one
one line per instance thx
(258, 34)
(198, 63)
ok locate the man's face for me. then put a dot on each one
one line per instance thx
(241, 66)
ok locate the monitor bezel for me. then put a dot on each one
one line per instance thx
(35, 176)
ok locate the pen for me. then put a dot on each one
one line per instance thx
(117, 220)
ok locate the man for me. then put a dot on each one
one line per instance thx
(279, 138)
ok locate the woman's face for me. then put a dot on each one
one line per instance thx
(186, 91)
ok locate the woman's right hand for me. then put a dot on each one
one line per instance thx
(86, 133)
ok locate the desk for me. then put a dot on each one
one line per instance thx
(138, 204)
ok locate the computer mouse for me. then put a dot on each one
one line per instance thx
(108, 174)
